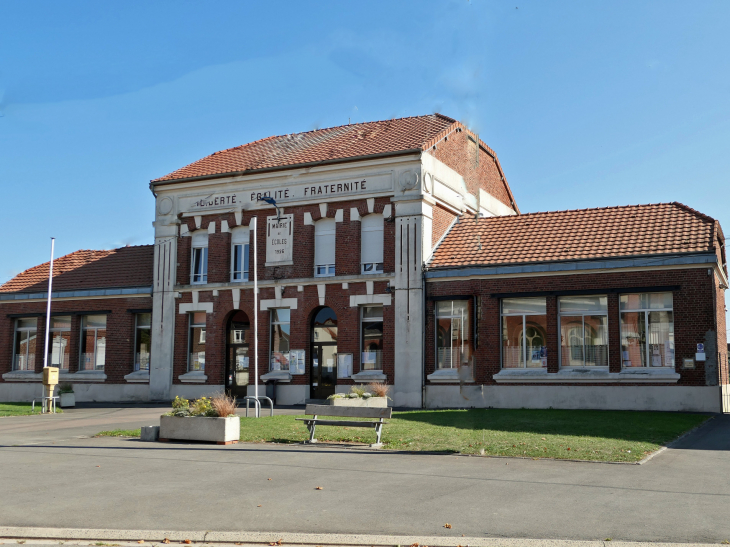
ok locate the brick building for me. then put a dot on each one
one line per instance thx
(389, 251)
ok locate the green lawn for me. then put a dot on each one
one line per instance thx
(20, 409)
(619, 436)
(120, 433)
(563, 434)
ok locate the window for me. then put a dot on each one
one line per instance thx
(647, 330)
(324, 247)
(279, 339)
(60, 341)
(453, 339)
(93, 342)
(196, 342)
(371, 244)
(583, 331)
(524, 333)
(239, 254)
(142, 341)
(199, 268)
(371, 337)
(25, 340)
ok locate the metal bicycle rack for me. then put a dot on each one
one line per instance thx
(248, 398)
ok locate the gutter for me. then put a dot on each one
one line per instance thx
(155, 183)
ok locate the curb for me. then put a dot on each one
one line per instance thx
(288, 538)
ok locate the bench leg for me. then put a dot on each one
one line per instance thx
(379, 431)
(312, 425)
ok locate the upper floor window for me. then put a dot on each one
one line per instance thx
(524, 333)
(324, 247)
(199, 268)
(142, 341)
(196, 341)
(25, 344)
(583, 331)
(60, 346)
(453, 340)
(371, 244)
(239, 254)
(647, 330)
(93, 342)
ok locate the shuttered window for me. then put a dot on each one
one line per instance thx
(324, 247)
(372, 244)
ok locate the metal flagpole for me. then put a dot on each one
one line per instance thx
(253, 228)
(48, 306)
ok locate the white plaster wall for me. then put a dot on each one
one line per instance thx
(11, 392)
(194, 391)
(669, 398)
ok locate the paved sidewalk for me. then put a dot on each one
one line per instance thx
(680, 496)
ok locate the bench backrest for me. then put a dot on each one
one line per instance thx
(349, 411)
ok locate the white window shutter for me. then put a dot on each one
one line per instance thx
(372, 239)
(324, 242)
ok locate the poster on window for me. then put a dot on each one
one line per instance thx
(296, 361)
(279, 361)
(344, 365)
(539, 356)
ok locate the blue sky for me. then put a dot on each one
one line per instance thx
(587, 104)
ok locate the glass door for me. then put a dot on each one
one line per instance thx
(323, 352)
(237, 356)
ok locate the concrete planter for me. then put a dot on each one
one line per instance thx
(68, 400)
(372, 402)
(216, 430)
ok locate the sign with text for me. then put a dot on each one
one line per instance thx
(279, 239)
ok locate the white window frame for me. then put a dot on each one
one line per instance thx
(193, 325)
(137, 328)
(51, 343)
(325, 270)
(272, 324)
(524, 329)
(583, 317)
(84, 329)
(468, 330)
(240, 238)
(366, 226)
(362, 334)
(646, 311)
(199, 245)
(27, 348)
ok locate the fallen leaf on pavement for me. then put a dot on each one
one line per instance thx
(141, 541)
(319, 488)
(447, 525)
(256, 506)
(269, 478)
(186, 541)
(166, 540)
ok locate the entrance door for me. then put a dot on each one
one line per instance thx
(237, 355)
(323, 352)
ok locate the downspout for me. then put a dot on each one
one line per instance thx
(423, 340)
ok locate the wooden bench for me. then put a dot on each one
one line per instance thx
(346, 412)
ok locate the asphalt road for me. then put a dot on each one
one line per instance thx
(679, 496)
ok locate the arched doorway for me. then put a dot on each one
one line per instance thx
(323, 352)
(238, 332)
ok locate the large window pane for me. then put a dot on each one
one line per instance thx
(453, 339)
(200, 265)
(570, 304)
(512, 346)
(196, 342)
(536, 340)
(372, 338)
(596, 340)
(93, 342)
(661, 339)
(279, 339)
(524, 305)
(143, 341)
(647, 334)
(60, 345)
(25, 344)
(571, 336)
(583, 331)
(633, 339)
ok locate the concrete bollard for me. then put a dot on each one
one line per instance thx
(150, 433)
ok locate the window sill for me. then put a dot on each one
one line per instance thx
(83, 376)
(138, 377)
(194, 377)
(22, 376)
(451, 375)
(278, 375)
(366, 376)
(585, 376)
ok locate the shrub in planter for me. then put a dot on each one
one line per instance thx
(66, 395)
(205, 419)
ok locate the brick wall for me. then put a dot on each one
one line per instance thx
(442, 219)
(308, 305)
(478, 169)
(695, 313)
(120, 325)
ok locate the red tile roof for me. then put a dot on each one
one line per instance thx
(323, 145)
(606, 232)
(125, 267)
